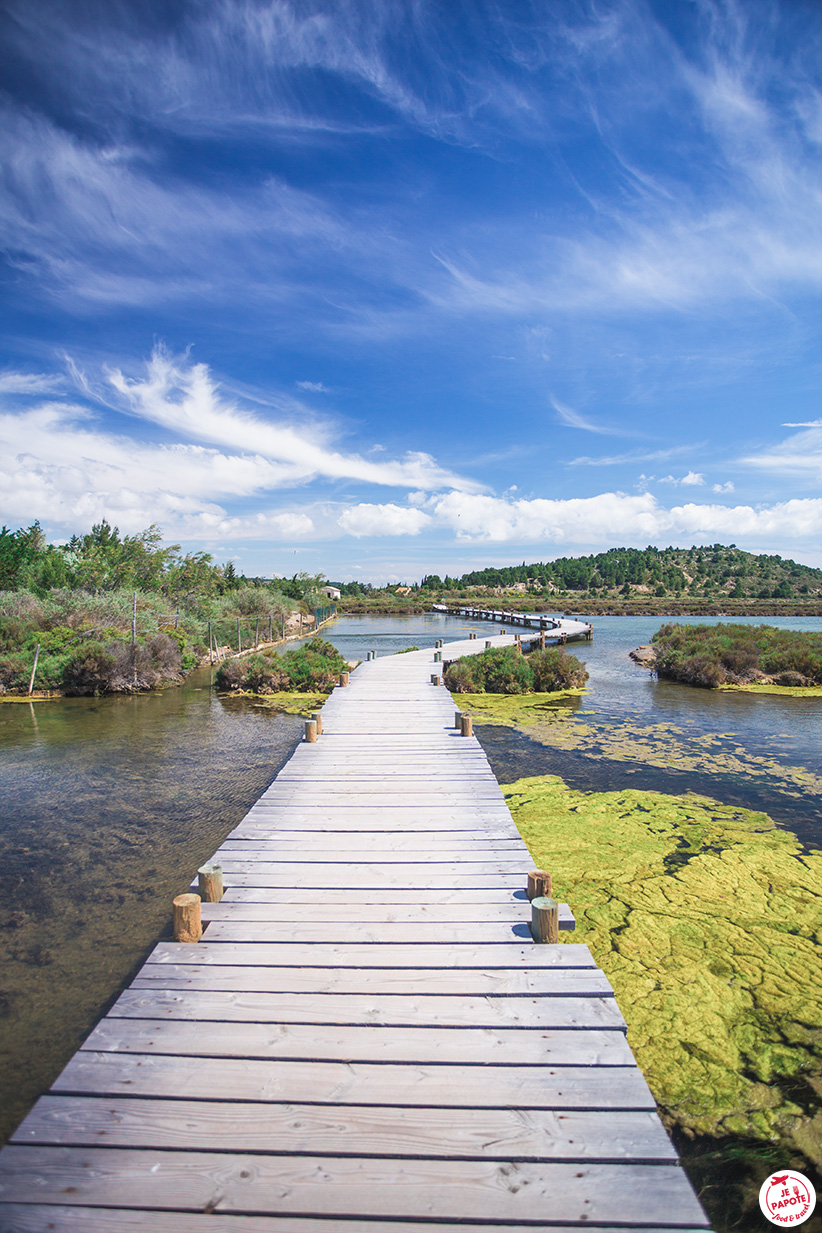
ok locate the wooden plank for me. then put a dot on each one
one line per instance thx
(367, 878)
(334, 931)
(334, 1083)
(510, 955)
(399, 897)
(351, 1130)
(602, 1041)
(34, 1218)
(202, 1005)
(405, 982)
(376, 913)
(359, 1188)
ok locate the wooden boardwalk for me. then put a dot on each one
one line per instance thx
(366, 1037)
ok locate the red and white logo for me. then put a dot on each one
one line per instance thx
(787, 1197)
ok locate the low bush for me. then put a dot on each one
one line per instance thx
(713, 655)
(503, 670)
(313, 668)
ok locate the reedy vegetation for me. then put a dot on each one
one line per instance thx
(76, 600)
(314, 668)
(713, 655)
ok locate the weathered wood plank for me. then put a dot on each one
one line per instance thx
(34, 1218)
(404, 982)
(601, 1043)
(398, 897)
(510, 955)
(423, 1010)
(489, 1134)
(334, 931)
(439, 1086)
(361, 1188)
(327, 877)
(382, 914)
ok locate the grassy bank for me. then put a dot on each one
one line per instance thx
(705, 919)
(314, 668)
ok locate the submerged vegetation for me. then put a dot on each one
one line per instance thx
(715, 655)
(314, 668)
(705, 918)
(503, 670)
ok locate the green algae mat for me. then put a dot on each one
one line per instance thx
(706, 919)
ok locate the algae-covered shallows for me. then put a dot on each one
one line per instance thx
(705, 918)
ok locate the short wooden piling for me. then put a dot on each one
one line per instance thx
(187, 923)
(311, 730)
(210, 883)
(436, 679)
(542, 640)
(472, 637)
(343, 679)
(539, 884)
(458, 719)
(467, 725)
(317, 716)
(438, 657)
(544, 919)
(487, 644)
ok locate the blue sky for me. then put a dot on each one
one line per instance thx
(379, 289)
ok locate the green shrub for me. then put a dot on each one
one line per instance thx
(313, 668)
(503, 670)
(712, 655)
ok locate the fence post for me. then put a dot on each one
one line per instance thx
(34, 668)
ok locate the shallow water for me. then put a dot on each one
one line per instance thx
(109, 806)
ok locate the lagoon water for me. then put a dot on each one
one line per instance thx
(109, 805)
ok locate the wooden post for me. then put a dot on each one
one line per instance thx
(210, 883)
(239, 642)
(487, 644)
(542, 639)
(210, 651)
(257, 633)
(457, 719)
(544, 920)
(134, 619)
(311, 730)
(343, 678)
(467, 725)
(34, 667)
(317, 716)
(187, 923)
(539, 884)
(519, 643)
(472, 637)
(438, 657)
(270, 624)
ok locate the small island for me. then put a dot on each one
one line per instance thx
(753, 657)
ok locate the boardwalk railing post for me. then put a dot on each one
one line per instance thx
(311, 730)
(472, 637)
(438, 657)
(467, 725)
(544, 919)
(187, 923)
(539, 884)
(487, 644)
(458, 719)
(436, 679)
(343, 678)
(210, 883)
(317, 716)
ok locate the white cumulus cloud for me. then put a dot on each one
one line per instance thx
(363, 519)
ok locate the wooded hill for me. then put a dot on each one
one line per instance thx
(705, 572)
